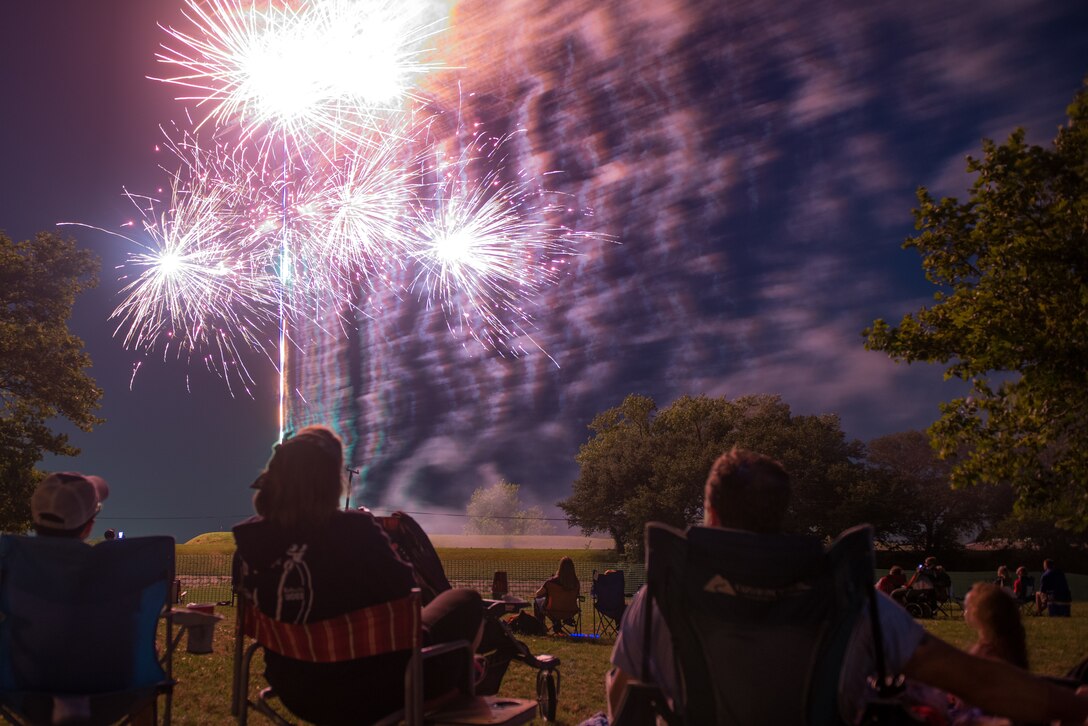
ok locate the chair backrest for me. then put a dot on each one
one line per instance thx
(383, 628)
(82, 619)
(561, 602)
(379, 629)
(608, 592)
(760, 623)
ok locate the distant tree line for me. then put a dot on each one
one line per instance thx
(642, 464)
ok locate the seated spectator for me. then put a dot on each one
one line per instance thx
(65, 504)
(891, 582)
(922, 579)
(942, 583)
(558, 596)
(1023, 587)
(1003, 579)
(750, 492)
(1053, 590)
(306, 561)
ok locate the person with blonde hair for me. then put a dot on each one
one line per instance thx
(557, 598)
(994, 615)
(305, 560)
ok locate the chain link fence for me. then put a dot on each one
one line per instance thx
(207, 578)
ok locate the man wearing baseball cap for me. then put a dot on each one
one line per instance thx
(66, 503)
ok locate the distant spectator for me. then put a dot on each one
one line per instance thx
(1024, 585)
(1003, 579)
(924, 578)
(109, 534)
(1053, 591)
(558, 596)
(65, 504)
(891, 582)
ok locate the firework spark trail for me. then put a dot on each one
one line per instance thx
(486, 248)
(201, 281)
(323, 69)
(351, 214)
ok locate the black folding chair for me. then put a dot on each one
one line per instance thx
(609, 602)
(760, 624)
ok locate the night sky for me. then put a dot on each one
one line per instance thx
(755, 163)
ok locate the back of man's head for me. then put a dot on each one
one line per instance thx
(748, 491)
(65, 504)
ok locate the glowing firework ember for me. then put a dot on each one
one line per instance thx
(204, 284)
(317, 68)
(486, 248)
(351, 215)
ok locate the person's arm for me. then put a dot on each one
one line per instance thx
(543, 591)
(615, 682)
(993, 686)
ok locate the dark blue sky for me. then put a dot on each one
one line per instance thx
(756, 165)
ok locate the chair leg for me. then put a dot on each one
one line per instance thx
(242, 702)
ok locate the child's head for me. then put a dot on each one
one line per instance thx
(995, 616)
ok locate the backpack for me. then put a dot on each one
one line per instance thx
(525, 624)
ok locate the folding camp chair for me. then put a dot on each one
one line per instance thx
(760, 624)
(386, 628)
(78, 629)
(564, 621)
(608, 602)
(947, 604)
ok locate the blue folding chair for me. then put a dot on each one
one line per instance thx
(78, 626)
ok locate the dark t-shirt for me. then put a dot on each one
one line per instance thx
(306, 576)
(1054, 584)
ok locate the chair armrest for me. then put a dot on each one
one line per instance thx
(440, 648)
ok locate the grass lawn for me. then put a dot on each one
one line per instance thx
(203, 692)
(214, 543)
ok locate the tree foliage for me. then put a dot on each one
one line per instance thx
(1011, 317)
(42, 365)
(497, 510)
(913, 504)
(643, 464)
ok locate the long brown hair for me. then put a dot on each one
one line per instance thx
(566, 576)
(303, 482)
(996, 615)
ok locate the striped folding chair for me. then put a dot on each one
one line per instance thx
(376, 630)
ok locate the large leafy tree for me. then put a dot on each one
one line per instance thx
(915, 505)
(42, 365)
(1011, 317)
(497, 509)
(643, 464)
